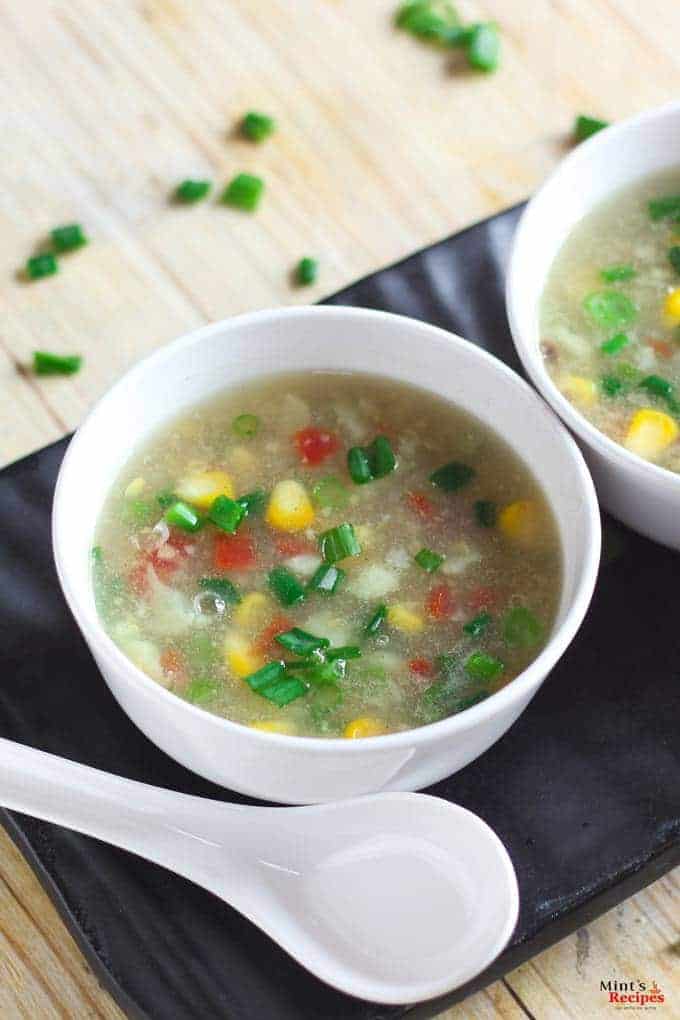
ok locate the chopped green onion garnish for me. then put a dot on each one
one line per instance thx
(307, 271)
(286, 586)
(338, 543)
(481, 666)
(182, 515)
(245, 425)
(343, 652)
(667, 205)
(585, 126)
(657, 386)
(45, 363)
(266, 675)
(330, 492)
(483, 46)
(376, 621)
(359, 466)
(611, 386)
(226, 513)
(610, 309)
(478, 625)
(244, 192)
(452, 476)
(257, 126)
(283, 691)
(674, 257)
(367, 463)
(521, 628)
(39, 266)
(201, 690)
(486, 513)
(97, 554)
(191, 191)
(252, 502)
(428, 19)
(67, 238)
(617, 274)
(327, 579)
(428, 560)
(223, 587)
(616, 344)
(300, 642)
(166, 499)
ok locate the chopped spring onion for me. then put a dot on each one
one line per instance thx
(67, 238)
(481, 666)
(338, 543)
(202, 689)
(610, 308)
(166, 499)
(618, 273)
(359, 466)
(674, 257)
(286, 586)
(45, 363)
(300, 642)
(226, 514)
(486, 513)
(343, 652)
(661, 208)
(428, 19)
(483, 46)
(657, 386)
(272, 683)
(39, 266)
(191, 191)
(478, 625)
(585, 126)
(330, 492)
(244, 192)
(307, 271)
(610, 385)
(327, 579)
(376, 621)
(252, 502)
(521, 628)
(257, 126)
(223, 587)
(616, 344)
(245, 425)
(367, 463)
(452, 476)
(428, 560)
(182, 515)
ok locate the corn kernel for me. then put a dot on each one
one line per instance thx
(650, 432)
(364, 726)
(275, 726)
(671, 305)
(289, 508)
(253, 611)
(135, 488)
(202, 488)
(404, 619)
(521, 521)
(579, 389)
(241, 658)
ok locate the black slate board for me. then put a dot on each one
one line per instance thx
(584, 789)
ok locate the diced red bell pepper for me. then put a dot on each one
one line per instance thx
(314, 445)
(481, 598)
(421, 667)
(172, 661)
(420, 504)
(292, 545)
(440, 602)
(234, 552)
(279, 625)
(662, 348)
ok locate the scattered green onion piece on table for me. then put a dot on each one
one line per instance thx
(39, 266)
(343, 652)
(286, 586)
(330, 492)
(244, 192)
(610, 308)
(486, 513)
(657, 386)
(245, 426)
(327, 579)
(664, 207)
(223, 587)
(257, 126)
(478, 625)
(339, 543)
(307, 271)
(67, 238)
(428, 19)
(428, 560)
(481, 666)
(201, 690)
(376, 621)
(300, 642)
(674, 257)
(253, 502)
(45, 363)
(615, 344)
(617, 274)
(521, 628)
(611, 386)
(182, 515)
(483, 46)
(191, 191)
(452, 476)
(585, 126)
(226, 514)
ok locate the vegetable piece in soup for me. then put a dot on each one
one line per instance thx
(328, 556)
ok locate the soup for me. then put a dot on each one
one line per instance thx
(610, 318)
(328, 555)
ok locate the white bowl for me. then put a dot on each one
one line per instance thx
(302, 769)
(639, 493)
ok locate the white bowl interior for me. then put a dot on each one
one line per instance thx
(310, 339)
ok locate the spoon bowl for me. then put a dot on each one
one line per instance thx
(394, 898)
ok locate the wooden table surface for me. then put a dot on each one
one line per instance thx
(383, 146)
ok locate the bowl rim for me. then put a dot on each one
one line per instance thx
(530, 356)
(525, 683)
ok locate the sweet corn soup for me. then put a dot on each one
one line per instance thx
(328, 555)
(610, 318)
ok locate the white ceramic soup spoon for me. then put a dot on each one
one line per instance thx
(395, 897)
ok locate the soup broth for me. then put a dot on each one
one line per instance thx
(610, 318)
(328, 555)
